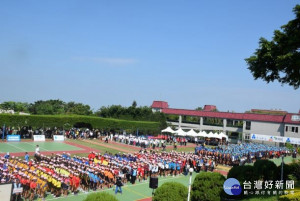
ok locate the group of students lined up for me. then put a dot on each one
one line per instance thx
(63, 174)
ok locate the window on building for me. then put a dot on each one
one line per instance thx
(248, 125)
(292, 129)
(247, 136)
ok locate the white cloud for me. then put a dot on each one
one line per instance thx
(106, 60)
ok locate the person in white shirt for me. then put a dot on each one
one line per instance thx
(37, 149)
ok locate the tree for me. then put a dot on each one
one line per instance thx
(134, 104)
(48, 107)
(16, 106)
(78, 108)
(199, 108)
(265, 170)
(103, 196)
(171, 191)
(279, 59)
(207, 186)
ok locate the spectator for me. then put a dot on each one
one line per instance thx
(119, 185)
(26, 157)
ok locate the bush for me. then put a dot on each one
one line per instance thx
(207, 186)
(265, 170)
(295, 169)
(287, 170)
(39, 121)
(289, 146)
(290, 197)
(103, 196)
(171, 191)
(242, 173)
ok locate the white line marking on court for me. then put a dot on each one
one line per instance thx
(16, 147)
(109, 189)
(35, 145)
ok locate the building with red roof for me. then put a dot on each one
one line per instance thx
(264, 122)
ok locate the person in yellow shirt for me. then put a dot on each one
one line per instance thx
(58, 187)
(44, 187)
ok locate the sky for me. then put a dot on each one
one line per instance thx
(100, 53)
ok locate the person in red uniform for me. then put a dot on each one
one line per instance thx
(32, 188)
(76, 182)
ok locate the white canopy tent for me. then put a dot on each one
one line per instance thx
(192, 133)
(210, 135)
(202, 134)
(180, 132)
(217, 136)
(223, 136)
(168, 130)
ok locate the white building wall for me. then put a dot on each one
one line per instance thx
(290, 133)
(266, 128)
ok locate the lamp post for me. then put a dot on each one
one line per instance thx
(191, 170)
(282, 157)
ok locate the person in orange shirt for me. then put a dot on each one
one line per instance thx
(32, 188)
(76, 182)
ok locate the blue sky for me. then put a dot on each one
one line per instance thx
(188, 53)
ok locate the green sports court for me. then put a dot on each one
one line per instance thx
(15, 147)
(139, 191)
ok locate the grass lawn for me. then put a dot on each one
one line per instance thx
(130, 192)
(94, 146)
(181, 148)
(277, 161)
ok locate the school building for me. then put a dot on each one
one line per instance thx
(249, 126)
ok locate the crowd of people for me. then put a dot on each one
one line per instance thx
(239, 154)
(63, 174)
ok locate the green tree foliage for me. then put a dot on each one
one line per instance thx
(242, 173)
(199, 108)
(52, 107)
(78, 108)
(279, 59)
(16, 106)
(102, 196)
(265, 170)
(132, 113)
(48, 107)
(134, 104)
(171, 191)
(207, 186)
(295, 169)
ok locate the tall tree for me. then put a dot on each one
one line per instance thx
(134, 104)
(279, 59)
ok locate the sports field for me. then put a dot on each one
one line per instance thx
(139, 191)
(14, 147)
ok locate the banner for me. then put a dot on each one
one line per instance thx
(38, 138)
(18, 190)
(271, 138)
(13, 138)
(58, 138)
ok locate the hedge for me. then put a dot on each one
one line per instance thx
(60, 121)
(171, 191)
(290, 197)
(207, 186)
(103, 196)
